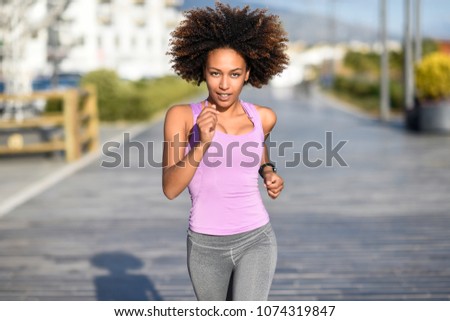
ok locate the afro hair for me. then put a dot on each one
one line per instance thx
(256, 35)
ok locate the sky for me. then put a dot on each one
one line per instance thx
(435, 14)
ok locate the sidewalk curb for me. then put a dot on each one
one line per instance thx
(38, 187)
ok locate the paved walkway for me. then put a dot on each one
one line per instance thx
(378, 229)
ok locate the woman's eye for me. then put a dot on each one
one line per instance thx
(214, 73)
(235, 75)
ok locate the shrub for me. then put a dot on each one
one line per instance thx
(54, 105)
(366, 93)
(126, 100)
(111, 91)
(432, 76)
(362, 62)
(396, 94)
(356, 86)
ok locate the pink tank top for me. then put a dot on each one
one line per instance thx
(224, 190)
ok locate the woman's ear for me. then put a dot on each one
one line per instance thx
(247, 74)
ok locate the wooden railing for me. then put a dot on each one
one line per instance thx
(78, 122)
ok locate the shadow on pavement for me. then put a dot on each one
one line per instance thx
(120, 285)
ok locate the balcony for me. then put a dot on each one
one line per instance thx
(105, 20)
(174, 3)
(140, 22)
(104, 14)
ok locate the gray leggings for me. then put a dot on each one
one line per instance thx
(236, 267)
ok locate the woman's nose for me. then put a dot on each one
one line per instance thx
(223, 83)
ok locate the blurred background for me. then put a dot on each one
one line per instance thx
(338, 44)
(77, 75)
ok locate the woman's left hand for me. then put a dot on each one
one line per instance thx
(273, 183)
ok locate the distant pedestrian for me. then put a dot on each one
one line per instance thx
(216, 148)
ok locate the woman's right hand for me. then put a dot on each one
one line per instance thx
(206, 122)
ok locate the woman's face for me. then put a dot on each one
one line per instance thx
(225, 75)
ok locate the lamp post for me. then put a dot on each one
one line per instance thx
(418, 32)
(384, 75)
(331, 64)
(408, 84)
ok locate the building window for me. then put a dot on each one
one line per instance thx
(173, 3)
(105, 20)
(140, 22)
(117, 42)
(81, 41)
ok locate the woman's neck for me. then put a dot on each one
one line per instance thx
(233, 110)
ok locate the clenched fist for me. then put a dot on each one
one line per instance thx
(273, 183)
(206, 122)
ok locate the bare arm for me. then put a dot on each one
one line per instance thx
(272, 181)
(178, 169)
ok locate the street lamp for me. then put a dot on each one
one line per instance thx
(384, 78)
(410, 57)
(408, 66)
(418, 32)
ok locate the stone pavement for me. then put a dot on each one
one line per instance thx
(377, 229)
(25, 175)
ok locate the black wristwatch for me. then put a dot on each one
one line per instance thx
(261, 168)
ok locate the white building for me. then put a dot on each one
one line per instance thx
(23, 43)
(130, 36)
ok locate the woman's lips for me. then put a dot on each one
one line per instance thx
(223, 96)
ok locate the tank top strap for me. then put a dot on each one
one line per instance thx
(253, 114)
(194, 135)
(196, 110)
(251, 111)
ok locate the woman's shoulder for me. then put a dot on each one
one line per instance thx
(268, 117)
(265, 111)
(179, 110)
(179, 117)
